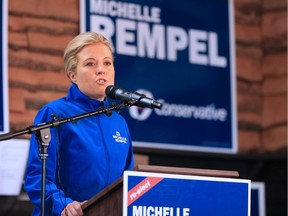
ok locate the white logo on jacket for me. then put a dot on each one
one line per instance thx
(119, 138)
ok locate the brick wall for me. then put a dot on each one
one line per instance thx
(38, 34)
(261, 50)
(40, 29)
(274, 72)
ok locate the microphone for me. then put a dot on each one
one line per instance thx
(115, 92)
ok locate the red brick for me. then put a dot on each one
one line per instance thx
(274, 24)
(16, 100)
(249, 103)
(50, 42)
(64, 9)
(254, 52)
(244, 87)
(240, 3)
(250, 118)
(275, 85)
(248, 11)
(274, 110)
(45, 96)
(248, 34)
(274, 5)
(19, 120)
(17, 40)
(16, 117)
(20, 116)
(37, 78)
(275, 64)
(248, 141)
(249, 69)
(275, 138)
(28, 59)
(24, 24)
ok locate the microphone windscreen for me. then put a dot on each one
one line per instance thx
(110, 91)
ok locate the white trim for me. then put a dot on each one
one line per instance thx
(233, 75)
(5, 78)
(82, 15)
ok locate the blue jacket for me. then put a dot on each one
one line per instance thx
(83, 157)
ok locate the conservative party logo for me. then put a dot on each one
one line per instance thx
(207, 112)
(139, 113)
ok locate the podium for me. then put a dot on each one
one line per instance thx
(192, 184)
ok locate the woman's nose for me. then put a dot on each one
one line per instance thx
(99, 70)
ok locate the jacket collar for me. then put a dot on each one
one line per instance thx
(77, 97)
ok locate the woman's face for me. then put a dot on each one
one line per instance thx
(94, 71)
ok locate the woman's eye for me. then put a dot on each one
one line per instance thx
(108, 63)
(90, 64)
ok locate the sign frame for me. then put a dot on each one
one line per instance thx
(229, 145)
(259, 207)
(4, 124)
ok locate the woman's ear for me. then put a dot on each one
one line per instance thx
(72, 76)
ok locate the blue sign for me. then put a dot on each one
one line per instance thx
(181, 195)
(182, 54)
(258, 207)
(4, 112)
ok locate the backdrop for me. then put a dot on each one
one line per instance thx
(182, 54)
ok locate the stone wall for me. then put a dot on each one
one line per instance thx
(40, 29)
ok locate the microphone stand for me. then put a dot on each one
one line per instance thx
(43, 135)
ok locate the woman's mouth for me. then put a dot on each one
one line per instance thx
(101, 81)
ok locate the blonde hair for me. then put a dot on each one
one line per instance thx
(77, 44)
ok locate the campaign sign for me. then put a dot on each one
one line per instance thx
(180, 53)
(258, 207)
(4, 113)
(147, 194)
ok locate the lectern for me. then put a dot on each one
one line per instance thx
(159, 190)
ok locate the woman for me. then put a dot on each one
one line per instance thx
(84, 156)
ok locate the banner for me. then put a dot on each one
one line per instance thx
(147, 193)
(4, 105)
(182, 54)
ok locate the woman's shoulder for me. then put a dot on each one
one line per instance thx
(55, 107)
